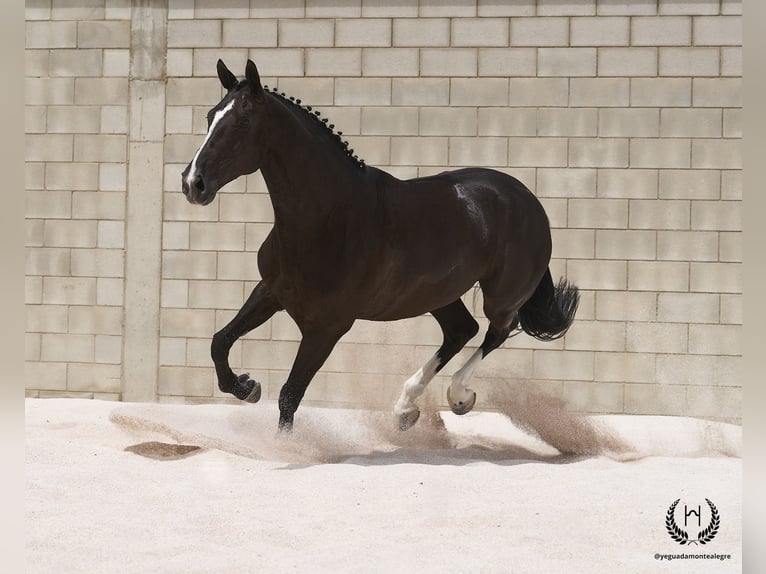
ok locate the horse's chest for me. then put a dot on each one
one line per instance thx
(329, 274)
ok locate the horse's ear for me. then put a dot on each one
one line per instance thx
(228, 80)
(254, 80)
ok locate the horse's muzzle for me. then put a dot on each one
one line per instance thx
(195, 190)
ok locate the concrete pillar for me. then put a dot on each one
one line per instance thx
(143, 233)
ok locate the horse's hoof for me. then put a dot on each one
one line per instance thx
(255, 392)
(407, 420)
(461, 407)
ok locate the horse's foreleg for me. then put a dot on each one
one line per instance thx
(313, 351)
(458, 327)
(258, 309)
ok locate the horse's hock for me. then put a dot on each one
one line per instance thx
(625, 125)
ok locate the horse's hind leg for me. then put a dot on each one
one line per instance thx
(458, 327)
(502, 313)
(462, 399)
(258, 309)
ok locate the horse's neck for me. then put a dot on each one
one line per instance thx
(307, 176)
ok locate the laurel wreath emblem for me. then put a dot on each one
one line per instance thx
(715, 521)
(680, 536)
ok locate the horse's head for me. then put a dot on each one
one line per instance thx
(231, 147)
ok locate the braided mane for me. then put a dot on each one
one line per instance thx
(314, 115)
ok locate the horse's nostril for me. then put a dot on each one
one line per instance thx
(199, 183)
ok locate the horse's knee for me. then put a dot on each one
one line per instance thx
(219, 346)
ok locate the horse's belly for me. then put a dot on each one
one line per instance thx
(420, 294)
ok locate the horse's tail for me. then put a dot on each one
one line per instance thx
(550, 311)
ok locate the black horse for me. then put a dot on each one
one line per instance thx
(353, 242)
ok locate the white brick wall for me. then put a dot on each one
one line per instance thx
(623, 117)
(77, 82)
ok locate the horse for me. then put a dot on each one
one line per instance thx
(351, 241)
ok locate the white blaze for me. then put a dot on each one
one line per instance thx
(217, 118)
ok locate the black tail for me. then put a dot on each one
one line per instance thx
(550, 311)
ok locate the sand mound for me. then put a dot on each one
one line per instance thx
(162, 450)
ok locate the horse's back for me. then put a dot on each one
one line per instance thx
(493, 206)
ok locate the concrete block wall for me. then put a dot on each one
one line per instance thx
(77, 63)
(623, 117)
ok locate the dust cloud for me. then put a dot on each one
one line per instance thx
(331, 435)
(548, 418)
